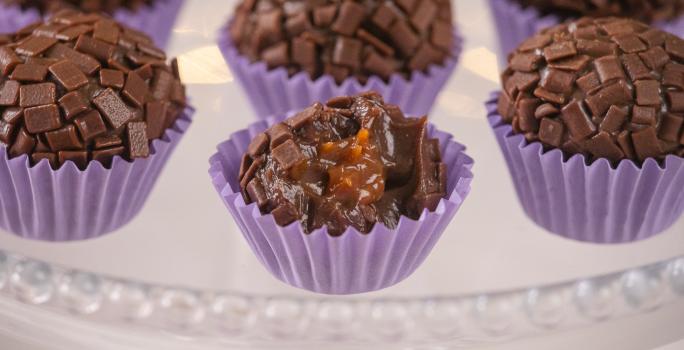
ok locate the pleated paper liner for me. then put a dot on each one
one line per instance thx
(156, 20)
(354, 262)
(68, 204)
(594, 203)
(13, 18)
(274, 92)
(514, 24)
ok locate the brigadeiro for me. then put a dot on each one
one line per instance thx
(90, 112)
(590, 121)
(516, 20)
(342, 198)
(289, 54)
(154, 17)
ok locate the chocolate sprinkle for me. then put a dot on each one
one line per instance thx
(344, 38)
(70, 92)
(624, 101)
(353, 162)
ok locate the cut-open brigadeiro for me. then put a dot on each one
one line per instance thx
(590, 120)
(357, 193)
(154, 17)
(406, 50)
(90, 113)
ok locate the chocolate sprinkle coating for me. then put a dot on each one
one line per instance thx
(106, 6)
(606, 88)
(648, 11)
(352, 162)
(345, 38)
(104, 92)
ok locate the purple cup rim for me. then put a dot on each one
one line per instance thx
(227, 48)
(454, 198)
(125, 11)
(552, 18)
(497, 123)
(179, 127)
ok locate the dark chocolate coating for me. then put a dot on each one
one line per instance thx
(606, 88)
(352, 162)
(106, 6)
(82, 87)
(345, 38)
(648, 11)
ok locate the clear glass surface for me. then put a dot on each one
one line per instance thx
(180, 275)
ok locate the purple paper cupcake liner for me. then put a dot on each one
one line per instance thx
(274, 92)
(592, 203)
(68, 204)
(514, 24)
(156, 20)
(13, 18)
(354, 262)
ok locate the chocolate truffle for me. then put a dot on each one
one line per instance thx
(345, 38)
(352, 162)
(606, 88)
(645, 10)
(107, 6)
(82, 87)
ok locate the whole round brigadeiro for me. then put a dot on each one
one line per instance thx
(644, 10)
(108, 6)
(345, 38)
(81, 87)
(606, 88)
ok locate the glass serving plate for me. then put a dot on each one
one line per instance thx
(180, 275)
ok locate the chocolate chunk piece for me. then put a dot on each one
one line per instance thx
(114, 109)
(73, 103)
(79, 158)
(646, 144)
(136, 136)
(37, 94)
(35, 45)
(68, 75)
(349, 18)
(9, 93)
(258, 145)
(287, 154)
(155, 117)
(670, 127)
(29, 72)
(23, 143)
(12, 115)
(577, 121)
(90, 125)
(135, 90)
(99, 49)
(285, 214)
(560, 50)
(51, 158)
(42, 118)
(106, 155)
(63, 139)
(86, 63)
(8, 60)
(278, 134)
